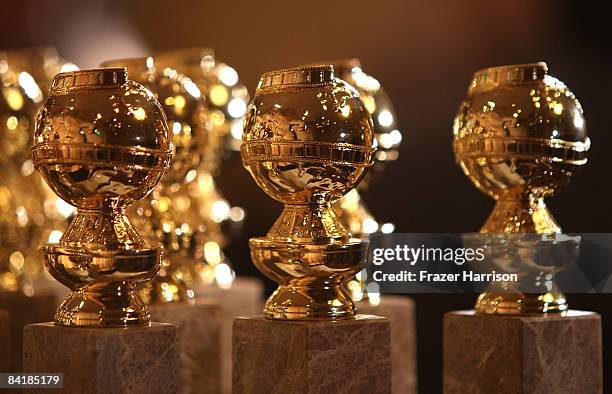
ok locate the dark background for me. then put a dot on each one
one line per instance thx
(423, 52)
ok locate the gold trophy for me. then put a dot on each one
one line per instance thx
(169, 214)
(226, 102)
(308, 140)
(351, 209)
(101, 142)
(519, 136)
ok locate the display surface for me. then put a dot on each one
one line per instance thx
(519, 136)
(101, 142)
(308, 140)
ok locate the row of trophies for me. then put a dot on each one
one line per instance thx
(143, 138)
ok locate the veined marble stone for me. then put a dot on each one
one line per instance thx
(199, 331)
(400, 311)
(24, 310)
(131, 360)
(244, 298)
(5, 342)
(307, 357)
(522, 354)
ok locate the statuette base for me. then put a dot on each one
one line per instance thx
(199, 330)
(346, 356)
(522, 354)
(401, 314)
(105, 360)
(244, 298)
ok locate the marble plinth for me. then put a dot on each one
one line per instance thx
(244, 298)
(401, 314)
(5, 342)
(199, 330)
(24, 310)
(346, 356)
(522, 354)
(105, 360)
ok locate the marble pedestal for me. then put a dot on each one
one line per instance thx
(307, 357)
(522, 354)
(244, 298)
(5, 342)
(401, 314)
(24, 310)
(105, 360)
(199, 330)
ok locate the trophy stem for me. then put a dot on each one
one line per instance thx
(103, 305)
(520, 214)
(312, 302)
(308, 223)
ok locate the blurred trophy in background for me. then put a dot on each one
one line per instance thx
(520, 136)
(30, 212)
(351, 208)
(170, 215)
(354, 214)
(101, 142)
(226, 100)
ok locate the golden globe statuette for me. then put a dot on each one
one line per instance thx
(101, 142)
(308, 140)
(519, 136)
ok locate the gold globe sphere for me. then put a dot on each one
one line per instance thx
(519, 136)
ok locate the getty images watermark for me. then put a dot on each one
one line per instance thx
(472, 262)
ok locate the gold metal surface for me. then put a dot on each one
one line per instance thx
(101, 142)
(169, 215)
(308, 140)
(519, 136)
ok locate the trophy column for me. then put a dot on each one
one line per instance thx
(101, 142)
(308, 140)
(519, 136)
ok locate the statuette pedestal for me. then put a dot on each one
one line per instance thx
(199, 343)
(244, 298)
(522, 354)
(401, 314)
(105, 360)
(343, 356)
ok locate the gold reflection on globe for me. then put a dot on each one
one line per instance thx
(519, 136)
(308, 140)
(101, 142)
